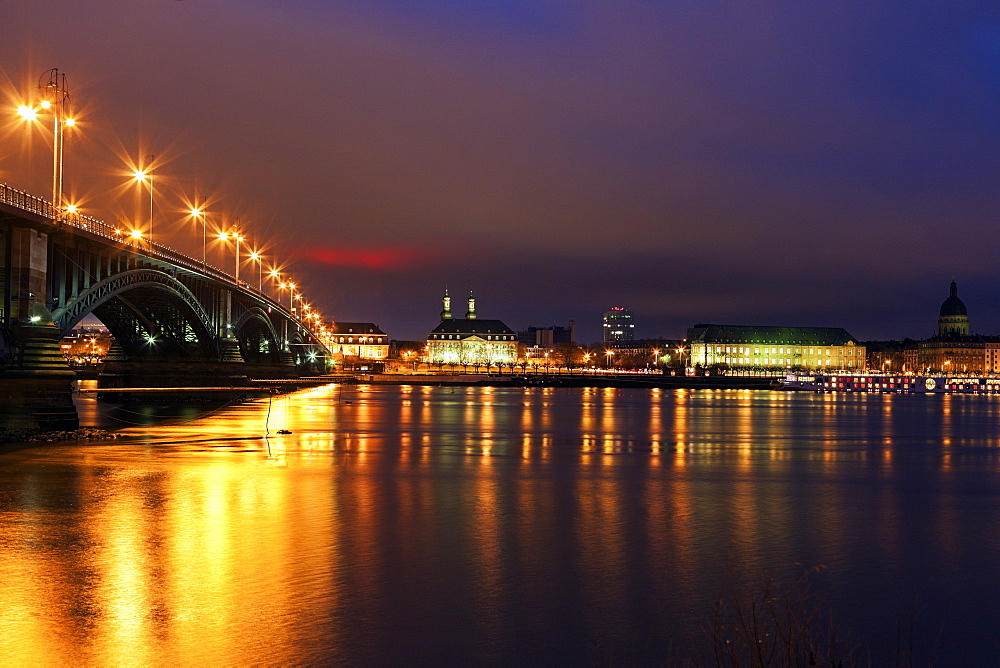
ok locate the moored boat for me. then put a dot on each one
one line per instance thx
(890, 383)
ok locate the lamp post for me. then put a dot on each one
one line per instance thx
(255, 256)
(55, 98)
(275, 278)
(146, 176)
(237, 237)
(198, 211)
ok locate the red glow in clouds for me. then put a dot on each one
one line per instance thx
(366, 258)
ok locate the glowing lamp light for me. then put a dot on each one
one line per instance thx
(70, 122)
(46, 104)
(27, 113)
(35, 318)
(195, 212)
(223, 236)
(71, 208)
(136, 234)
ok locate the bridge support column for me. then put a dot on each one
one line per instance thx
(35, 390)
(28, 271)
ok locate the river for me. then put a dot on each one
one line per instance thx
(484, 526)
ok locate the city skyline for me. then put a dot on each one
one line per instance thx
(769, 165)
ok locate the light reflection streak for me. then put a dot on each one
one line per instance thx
(199, 547)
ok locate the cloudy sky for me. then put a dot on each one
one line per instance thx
(780, 163)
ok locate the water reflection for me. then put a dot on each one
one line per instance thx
(431, 525)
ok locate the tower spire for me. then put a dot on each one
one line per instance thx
(446, 312)
(471, 313)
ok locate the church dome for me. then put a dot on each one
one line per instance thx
(953, 306)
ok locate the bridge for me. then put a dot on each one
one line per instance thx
(176, 321)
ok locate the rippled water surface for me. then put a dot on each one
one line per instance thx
(429, 525)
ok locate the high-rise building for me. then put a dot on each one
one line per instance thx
(619, 325)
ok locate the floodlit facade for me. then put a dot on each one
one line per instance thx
(470, 340)
(364, 340)
(741, 346)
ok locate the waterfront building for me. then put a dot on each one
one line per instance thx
(953, 318)
(768, 347)
(86, 344)
(955, 349)
(364, 340)
(619, 325)
(547, 337)
(470, 340)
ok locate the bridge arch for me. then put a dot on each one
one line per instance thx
(258, 340)
(148, 312)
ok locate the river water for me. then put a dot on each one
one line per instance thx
(485, 526)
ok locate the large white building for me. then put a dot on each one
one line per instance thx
(740, 346)
(470, 340)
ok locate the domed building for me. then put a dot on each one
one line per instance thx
(953, 319)
(954, 350)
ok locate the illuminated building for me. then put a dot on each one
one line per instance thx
(953, 318)
(748, 347)
(954, 349)
(363, 340)
(470, 340)
(619, 325)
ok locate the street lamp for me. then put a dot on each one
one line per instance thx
(237, 237)
(291, 293)
(55, 99)
(255, 256)
(610, 354)
(141, 176)
(198, 211)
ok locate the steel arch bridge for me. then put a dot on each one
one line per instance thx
(175, 320)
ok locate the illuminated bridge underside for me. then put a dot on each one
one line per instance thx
(148, 312)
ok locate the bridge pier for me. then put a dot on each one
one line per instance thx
(36, 394)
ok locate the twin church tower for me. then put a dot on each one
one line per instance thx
(446, 312)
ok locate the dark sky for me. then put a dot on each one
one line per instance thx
(778, 163)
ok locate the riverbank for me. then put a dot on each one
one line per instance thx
(574, 380)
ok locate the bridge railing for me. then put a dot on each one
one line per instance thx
(42, 207)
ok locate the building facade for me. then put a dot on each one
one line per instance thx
(364, 340)
(778, 348)
(955, 350)
(547, 337)
(470, 340)
(618, 325)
